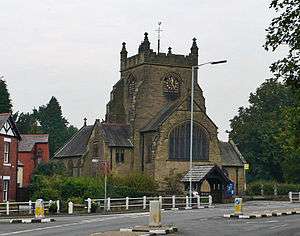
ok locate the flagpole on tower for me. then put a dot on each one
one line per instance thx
(158, 36)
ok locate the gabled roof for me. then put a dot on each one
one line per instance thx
(77, 145)
(201, 172)
(3, 118)
(6, 117)
(117, 135)
(161, 117)
(230, 154)
(165, 113)
(29, 140)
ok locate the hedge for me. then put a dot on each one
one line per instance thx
(77, 189)
(254, 188)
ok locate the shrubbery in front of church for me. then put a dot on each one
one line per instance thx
(78, 189)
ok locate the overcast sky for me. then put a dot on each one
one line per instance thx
(70, 49)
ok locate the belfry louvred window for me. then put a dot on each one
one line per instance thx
(179, 142)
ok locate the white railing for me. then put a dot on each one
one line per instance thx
(7, 208)
(294, 197)
(142, 203)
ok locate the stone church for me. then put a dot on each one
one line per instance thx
(147, 127)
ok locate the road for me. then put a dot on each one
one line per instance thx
(189, 222)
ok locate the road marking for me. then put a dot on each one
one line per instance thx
(133, 215)
(278, 226)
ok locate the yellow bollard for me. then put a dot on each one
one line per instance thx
(238, 210)
(39, 209)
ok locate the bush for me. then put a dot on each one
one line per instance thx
(254, 188)
(80, 188)
(94, 207)
(53, 208)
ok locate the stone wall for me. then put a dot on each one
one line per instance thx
(237, 175)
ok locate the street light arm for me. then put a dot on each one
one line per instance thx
(210, 62)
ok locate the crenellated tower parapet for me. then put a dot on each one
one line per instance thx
(147, 56)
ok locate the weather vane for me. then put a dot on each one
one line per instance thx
(158, 36)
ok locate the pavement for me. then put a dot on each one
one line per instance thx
(208, 221)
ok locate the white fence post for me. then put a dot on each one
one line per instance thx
(108, 203)
(30, 207)
(144, 202)
(7, 208)
(70, 208)
(210, 200)
(187, 203)
(291, 197)
(89, 205)
(173, 202)
(160, 202)
(198, 201)
(127, 203)
(57, 206)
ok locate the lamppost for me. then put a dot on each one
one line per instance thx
(192, 118)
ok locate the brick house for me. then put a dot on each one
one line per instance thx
(9, 138)
(147, 127)
(33, 149)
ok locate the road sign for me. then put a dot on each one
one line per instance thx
(246, 166)
(238, 206)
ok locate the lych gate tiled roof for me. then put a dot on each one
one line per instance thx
(29, 140)
(197, 173)
(200, 172)
(77, 145)
(117, 135)
(230, 155)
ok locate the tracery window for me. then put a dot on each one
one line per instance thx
(179, 142)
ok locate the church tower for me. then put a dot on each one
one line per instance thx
(150, 82)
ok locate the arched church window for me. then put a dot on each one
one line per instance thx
(179, 142)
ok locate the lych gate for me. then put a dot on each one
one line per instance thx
(208, 179)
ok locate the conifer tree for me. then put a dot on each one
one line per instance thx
(54, 124)
(5, 102)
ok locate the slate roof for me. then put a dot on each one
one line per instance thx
(117, 135)
(77, 145)
(230, 154)
(29, 140)
(200, 172)
(160, 118)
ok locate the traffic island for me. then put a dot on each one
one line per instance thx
(264, 214)
(155, 227)
(26, 221)
(159, 230)
(119, 233)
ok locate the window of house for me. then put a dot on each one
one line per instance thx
(120, 156)
(6, 152)
(5, 190)
(39, 156)
(179, 142)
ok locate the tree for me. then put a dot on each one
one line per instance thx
(284, 30)
(259, 131)
(27, 123)
(54, 124)
(5, 102)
